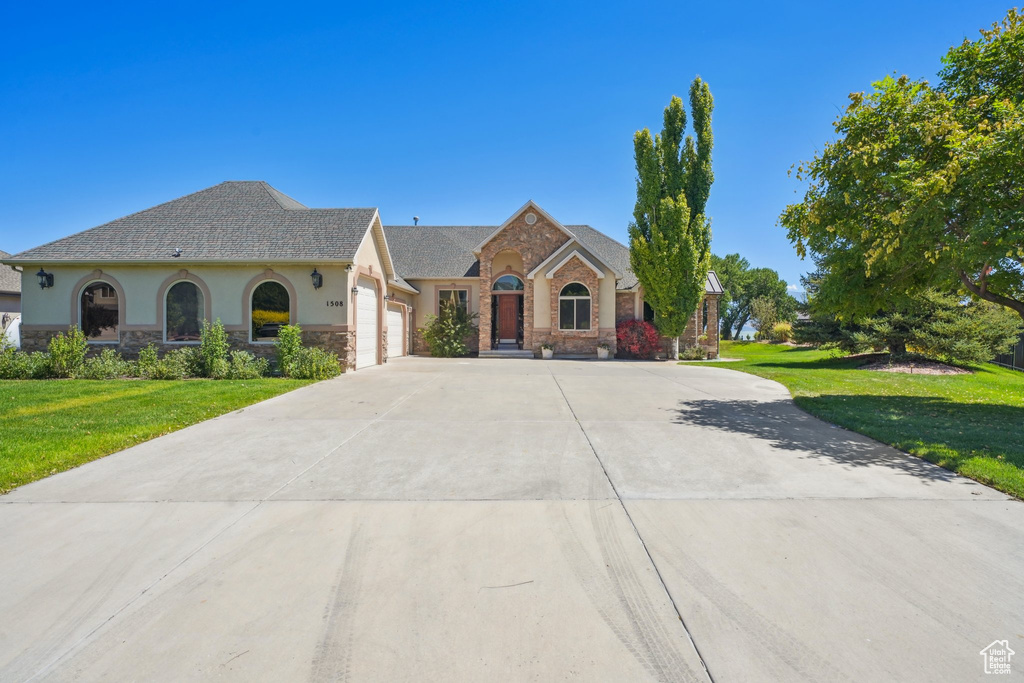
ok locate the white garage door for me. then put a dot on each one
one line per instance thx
(396, 330)
(367, 337)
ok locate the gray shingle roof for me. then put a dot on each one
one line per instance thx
(440, 251)
(233, 221)
(429, 251)
(10, 281)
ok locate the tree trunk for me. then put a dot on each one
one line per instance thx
(675, 348)
(898, 347)
(739, 326)
(981, 291)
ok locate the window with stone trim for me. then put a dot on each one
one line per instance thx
(183, 312)
(457, 298)
(574, 307)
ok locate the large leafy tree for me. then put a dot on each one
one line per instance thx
(732, 270)
(743, 285)
(924, 186)
(670, 238)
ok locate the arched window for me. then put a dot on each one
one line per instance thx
(183, 312)
(704, 317)
(507, 283)
(100, 312)
(270, 310)
(574, 307)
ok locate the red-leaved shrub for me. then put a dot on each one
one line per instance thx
(636, 339)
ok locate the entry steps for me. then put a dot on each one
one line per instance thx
(506, 353)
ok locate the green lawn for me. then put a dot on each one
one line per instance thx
(48, 426)
(971, 424)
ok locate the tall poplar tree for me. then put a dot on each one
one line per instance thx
(670, 237)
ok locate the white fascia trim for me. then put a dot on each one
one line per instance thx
(404, 288)
(586, 262)
(528, 205)
(382, 243)
(533, 273)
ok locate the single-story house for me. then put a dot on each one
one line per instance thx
(256, 259)
(10, 288)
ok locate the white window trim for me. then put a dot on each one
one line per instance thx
(589, 297)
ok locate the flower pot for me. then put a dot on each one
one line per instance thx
(602, 354)
(547, 354)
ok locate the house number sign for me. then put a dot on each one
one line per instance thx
(332, 304)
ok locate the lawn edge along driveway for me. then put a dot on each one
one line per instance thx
(968, 424)
(49, 426)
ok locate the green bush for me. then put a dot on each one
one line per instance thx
(146, 365)
(67, 352)
(16, 364)
(314, 363)
(244, 365)
(446, 334)
(213, 350)
(693, 353)
(782, 332)
(287, 348)
(176, 364)
(108, 365)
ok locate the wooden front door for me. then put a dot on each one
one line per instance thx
(508, 318)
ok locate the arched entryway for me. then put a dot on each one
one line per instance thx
(507, 311)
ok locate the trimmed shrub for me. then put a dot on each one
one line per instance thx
(16, 364)
(636, 339)
(782, 332)
(213, 350)
(149, 359)
(314, 363)
(108, 365)
(287, 348)
(693, 353)
(67, 352)
(244, 365)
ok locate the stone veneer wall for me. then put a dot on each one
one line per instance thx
(132, 341)
(624, 306)
(533, 243)
(575, 341)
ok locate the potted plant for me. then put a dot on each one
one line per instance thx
(547, 351)
(602, 351)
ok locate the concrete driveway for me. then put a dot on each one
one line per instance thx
(511, 519)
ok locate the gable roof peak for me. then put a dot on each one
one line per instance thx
(530, 204)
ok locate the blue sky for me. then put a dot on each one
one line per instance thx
(457, 113)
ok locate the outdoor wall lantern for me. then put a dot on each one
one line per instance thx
(45, 279)
(355, 290)
(348, 268)
(318, 279)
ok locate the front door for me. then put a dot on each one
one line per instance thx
(508, 318)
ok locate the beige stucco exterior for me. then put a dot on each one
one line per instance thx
(531, 245)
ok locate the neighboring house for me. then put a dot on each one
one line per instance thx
(256, 259)
(10, 288)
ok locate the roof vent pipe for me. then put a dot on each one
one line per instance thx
(415, 220)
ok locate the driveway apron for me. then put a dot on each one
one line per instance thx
(516, 520)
